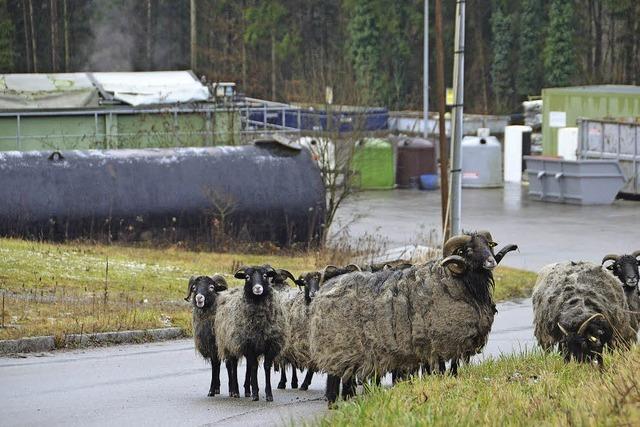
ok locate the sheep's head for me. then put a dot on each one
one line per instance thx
(205, 289)
(314, 279)
(588, 342)
(624, 267)
(279, 281)
(472, 252)
(257, 280)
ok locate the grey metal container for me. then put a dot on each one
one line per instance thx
(481, 162)
(613, 139)
(583, 182)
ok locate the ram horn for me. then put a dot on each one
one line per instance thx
(563, 330)
(610, 257)
(286, 273)
(454, 243)
(455, 263)
(486, 235)
(219, 283)
(192, 281)
(635, 254)
(353, 267)
(589, 320)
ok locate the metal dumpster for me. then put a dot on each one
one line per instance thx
(583, 182)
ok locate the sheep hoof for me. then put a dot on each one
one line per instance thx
(210, 393)
(255, 398)
(247, 394)
(232, 394)
(294, 385)
(213, 392)
(304, 387)
(282, 386)
(269, 399)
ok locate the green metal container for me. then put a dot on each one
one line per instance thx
(373, 165)
(561, 107)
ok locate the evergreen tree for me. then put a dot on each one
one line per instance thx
(501, 64)
(529, 75)
(559, 55)
(365, 51)
(6, 39)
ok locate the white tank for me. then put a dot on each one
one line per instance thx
(481, 162)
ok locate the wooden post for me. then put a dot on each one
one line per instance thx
(193, 36)
(440, 96)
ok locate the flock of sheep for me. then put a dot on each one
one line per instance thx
(358, 323)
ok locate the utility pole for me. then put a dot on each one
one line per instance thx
(425, 67)
(456, 121)
(442, 133)
(193, 35)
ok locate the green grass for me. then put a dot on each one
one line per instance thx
(526, 389)
(55, 289)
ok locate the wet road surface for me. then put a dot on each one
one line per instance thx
(165, 384)
(545, 232)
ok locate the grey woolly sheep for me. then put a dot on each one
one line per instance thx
(205, 295)
(250, 323)
(581, 309)
(625, 268)
(367, 324)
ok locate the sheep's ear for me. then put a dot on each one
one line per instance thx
(240, 274)
(219, 283)
(300, 282)
(272, 273)
(192, 282)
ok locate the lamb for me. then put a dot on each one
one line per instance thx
(625, 268)
(205, 292)
(250, 322)
(367, 324)
(581, 309)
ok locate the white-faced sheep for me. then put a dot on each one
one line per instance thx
(250, 323)
(368, 324)
(625, 268)
(581, 309)
(205, 297)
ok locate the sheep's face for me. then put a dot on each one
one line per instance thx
(257, 280)
(311, 283)
(470, 252)
(205, 289)
(588, 345)
(625, 268)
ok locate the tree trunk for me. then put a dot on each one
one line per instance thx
(273, 65)
(440, 95)
(66, 35)
(597, 54)
(34, 47)
(54, 36)
(193, 36)
(149, 35)
(26, 36)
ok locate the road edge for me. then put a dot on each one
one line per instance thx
(50, 342)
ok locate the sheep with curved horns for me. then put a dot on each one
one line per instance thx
(250, 322)
(625, 268)
(581, 309)
(367, 324)
(205, 292)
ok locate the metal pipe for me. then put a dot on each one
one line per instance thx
(456, 130)
(425, 69)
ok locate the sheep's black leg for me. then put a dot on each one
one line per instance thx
(283, 376)
(394, 377)
(215, 377)
(252, 361)
(232, 373)
(426, 368)
(307, 380)
(348, 388)
(442, 366)
(333, 388)
(267, 378)
(454, 367)
(247, 381)
(294, 376)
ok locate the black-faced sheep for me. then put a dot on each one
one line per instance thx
(625, 268)
(250, 323)
(581, 309)
(205, 296)
(368, 324)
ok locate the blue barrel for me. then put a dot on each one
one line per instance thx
(260, 193)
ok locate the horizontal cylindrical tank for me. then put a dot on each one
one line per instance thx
(481, 162)
(255, 193)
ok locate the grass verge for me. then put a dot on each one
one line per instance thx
(526, 389)
(57, 289)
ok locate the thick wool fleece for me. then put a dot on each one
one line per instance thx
(367, 324)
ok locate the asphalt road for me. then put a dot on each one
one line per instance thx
(165, 384)
(545, 232)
